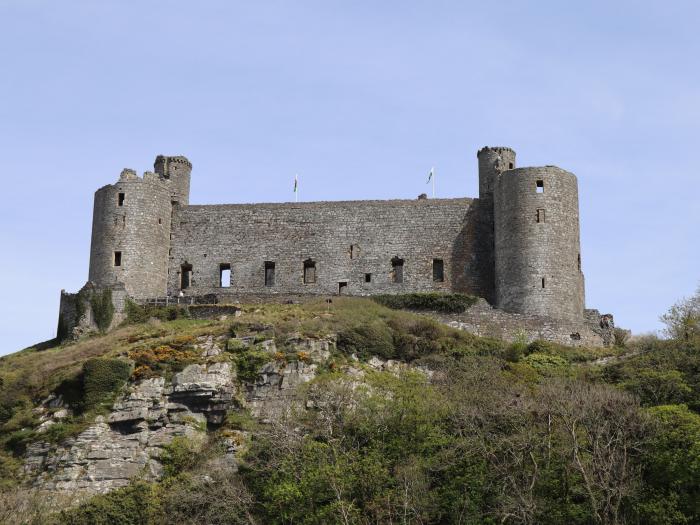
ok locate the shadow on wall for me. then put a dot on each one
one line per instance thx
(472, 268)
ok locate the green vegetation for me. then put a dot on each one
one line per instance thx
(136, 313)
(248, 364)
(131, 505)
(102, 378)
(102, 309)
(451, 303)
(514, 433)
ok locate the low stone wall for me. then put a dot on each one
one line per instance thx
(213, 311)
(486, 321)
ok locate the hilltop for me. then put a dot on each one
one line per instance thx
(346, 412)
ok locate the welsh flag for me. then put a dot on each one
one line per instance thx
(296, 183)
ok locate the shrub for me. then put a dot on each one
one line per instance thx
(148, 361)
(248, 364)
(620, 337)
(547, 365)
(374, 338)
(138, 314)
(517, 349)
(234, 345)
(102, 378)
(131, 505)
(179, 455)
(102, 309)
(240, 421)
(219, 498)
(445, 303)
(17, 441)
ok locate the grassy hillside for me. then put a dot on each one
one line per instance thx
(474, 431)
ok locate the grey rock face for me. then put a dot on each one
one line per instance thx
(128, 442)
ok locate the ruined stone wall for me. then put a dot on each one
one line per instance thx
(137, 226)
(537, 252)
(347, 241)
(486, 321)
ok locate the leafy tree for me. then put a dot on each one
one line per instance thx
(683, 319)
(672, 467)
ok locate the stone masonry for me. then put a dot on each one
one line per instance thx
(516, 245)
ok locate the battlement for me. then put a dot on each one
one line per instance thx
(177, 159)
(496, 149)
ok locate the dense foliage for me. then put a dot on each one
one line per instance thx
(476, 431)
(136, 313)
(102, 309)
(102, 378)
(437, 302)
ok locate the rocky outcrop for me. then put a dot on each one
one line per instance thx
(129, 440)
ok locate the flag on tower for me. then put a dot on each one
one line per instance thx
(296, 183)
(430, 175)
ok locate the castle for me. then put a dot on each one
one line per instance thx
(516, 246)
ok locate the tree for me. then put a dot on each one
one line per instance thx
(672, 467)
(683, 319)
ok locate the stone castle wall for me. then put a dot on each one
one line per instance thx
(515, 246)
(348, 242)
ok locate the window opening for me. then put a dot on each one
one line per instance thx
(510, 165)
(540, 186)
(120, 199)
(160, 221)
(354, 251)
(540, 215)
(368, 277)
(542, 282)
(269, 273)
(185, 276)
(309, 271)
(117, 258)
(225, 275)
(438, 270)
(342, 287)
(397, 270)
(579, 262)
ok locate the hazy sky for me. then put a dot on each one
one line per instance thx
(360, 98)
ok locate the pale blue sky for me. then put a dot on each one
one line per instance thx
(360, 98)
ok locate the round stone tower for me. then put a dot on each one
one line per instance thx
(131, 234)
(492, 162)
(481, 267)
(537, 250)
(177, 170)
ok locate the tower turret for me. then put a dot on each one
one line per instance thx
(538, 257)
(492, 162)
(131, 234)
(177, 170)
(481, 268)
